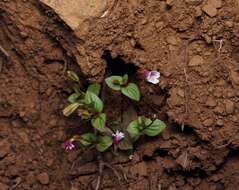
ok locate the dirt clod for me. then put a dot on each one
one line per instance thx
(210, 10)
(43, 178)
(229, 107)
(196, 61)
(208, 122)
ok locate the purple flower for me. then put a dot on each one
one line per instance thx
(117, 137)
(152, 76)
(68, 145)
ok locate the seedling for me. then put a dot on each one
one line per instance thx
(121, 84)
(89, 106)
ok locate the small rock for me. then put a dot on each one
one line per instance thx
(211, 102)
(198, 12)
(4, 186)
(23, 34)
(208, 122)
(219, 110)
(183, 160)
(196, 61)
(220, 122)
(210, 10)
(229, 106)
(43, 178)
(229, 24)
(133, 42)
(172, 40)
(207, 38)
(215, 3)
(181, 93)
(159, 25)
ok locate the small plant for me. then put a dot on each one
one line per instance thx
(121, 84)
(89, 107)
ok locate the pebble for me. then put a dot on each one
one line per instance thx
(229, 105)
(172, 40)
(215, 3)
(208, 122)
(220, 122)
(229, 24)
(4, 186)
(210, 10)
(196, 61)
(211, 102)
(198, 12)
(43, 178)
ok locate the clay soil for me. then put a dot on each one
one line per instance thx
(195, 46)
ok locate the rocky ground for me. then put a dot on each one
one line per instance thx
(193, 43)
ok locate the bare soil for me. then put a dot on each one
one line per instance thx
(194, 44)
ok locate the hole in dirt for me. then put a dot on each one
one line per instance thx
(187, 129)
(117, 66)
(168, 7)
(160, 152)
(197, 172)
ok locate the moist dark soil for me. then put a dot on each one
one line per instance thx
(193, 43)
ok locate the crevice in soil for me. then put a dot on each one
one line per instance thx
(117, 66)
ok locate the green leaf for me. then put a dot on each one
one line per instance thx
(71, 108)
(84, 114)
(155, 128)
(93, 101)
(125, 145)
(73, 97)
(73, 76)
(104, 142)
(94, 88)
(131, 91)
(87, 139)
(99, 122)
(134, 130)
(125, 79)
(114, 82)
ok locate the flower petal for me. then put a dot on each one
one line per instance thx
(153, 80)
(155, 74)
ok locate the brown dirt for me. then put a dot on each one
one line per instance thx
(198, 92)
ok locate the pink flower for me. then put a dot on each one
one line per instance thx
(117, 137)
(150, 76)
(68, 145)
